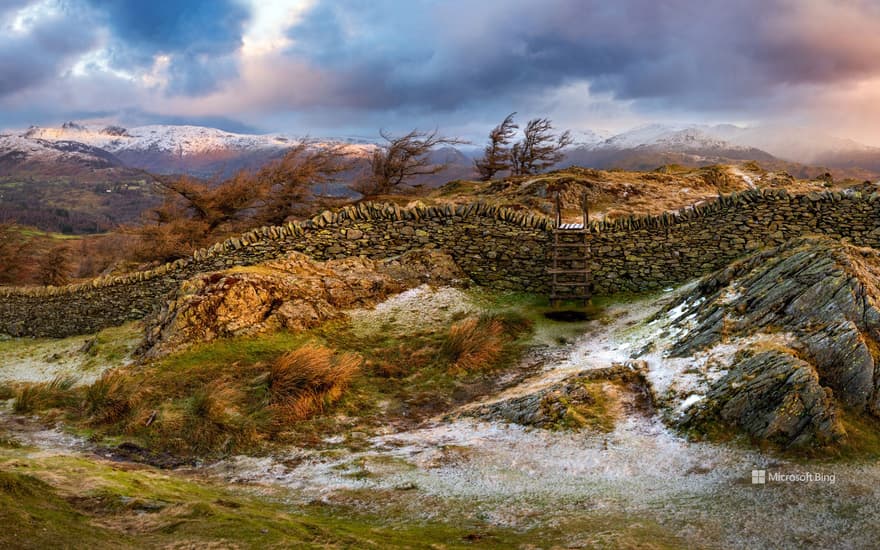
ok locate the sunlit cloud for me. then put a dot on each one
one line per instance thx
(353, 65)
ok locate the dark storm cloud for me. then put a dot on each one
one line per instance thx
(199, 36)
(39, 53)
(708, 54)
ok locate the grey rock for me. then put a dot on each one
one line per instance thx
(770, 395)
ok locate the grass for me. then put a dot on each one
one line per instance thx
(7, 391)
(241, 394)
(33, 397)
(50, 501)
(593, 409)
(218, 398)
(110, 398)
(862, 440)
(473, 344)
(304, 382)
(95, 504)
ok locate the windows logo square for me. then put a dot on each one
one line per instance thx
(759, 477)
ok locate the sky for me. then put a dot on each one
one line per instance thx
(350, 67)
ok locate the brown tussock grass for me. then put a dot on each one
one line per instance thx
(34, 397)
(111, 398)
(474, 344)
(304, 381)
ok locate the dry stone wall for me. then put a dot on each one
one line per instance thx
(649, 253)
(497, 247)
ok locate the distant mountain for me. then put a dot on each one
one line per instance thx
(166, 149)
(27, 156)
(800, 151)
(67, 186)
(650, 146)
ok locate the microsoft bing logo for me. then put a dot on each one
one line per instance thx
(759, 477)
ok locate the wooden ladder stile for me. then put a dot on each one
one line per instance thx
(570, 281)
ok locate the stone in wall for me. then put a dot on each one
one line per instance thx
(496, 247)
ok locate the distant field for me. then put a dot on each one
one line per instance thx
(73, 208)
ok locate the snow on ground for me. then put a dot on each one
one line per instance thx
(517, 476)
(415, 309)
(505, 461)
(82, 357)
(750, 181)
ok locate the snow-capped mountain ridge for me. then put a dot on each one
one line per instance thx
(181, 140)
(197, 150)
(23, 149)
(207, 152)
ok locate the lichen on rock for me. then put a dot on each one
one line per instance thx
(591, 400)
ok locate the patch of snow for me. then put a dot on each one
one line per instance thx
(415, 309)
(41, 360)
(747, 178)
(691, 399)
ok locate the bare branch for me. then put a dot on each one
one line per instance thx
(403, 158)
(497, 154)
(539, 148)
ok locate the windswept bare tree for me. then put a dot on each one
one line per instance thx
(539, 148)
(209, 205)
(194, 212)
(287, 184)
(497, 154)
(403, 158)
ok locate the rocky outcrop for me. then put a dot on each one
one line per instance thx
(771, 395)
(293, 293)
(823, 295)
(591, 400)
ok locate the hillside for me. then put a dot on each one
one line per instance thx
(324, 404)
(88, 160)
(614, 194)
(26, 156)
(799, 151)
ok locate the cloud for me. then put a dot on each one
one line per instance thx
(713, 54)
(356, 65)
(36, 47)
(200, 38)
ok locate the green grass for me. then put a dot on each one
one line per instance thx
(81, 502)
(234, 351)
(593, 413)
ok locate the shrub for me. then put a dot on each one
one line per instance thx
(305, 381)
(44, 395)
